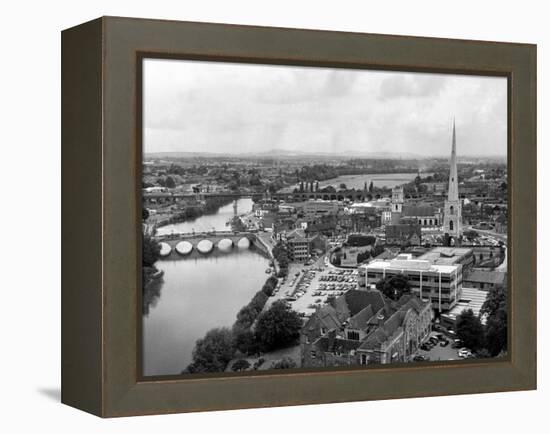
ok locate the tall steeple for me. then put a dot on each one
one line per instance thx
(453, 177)
(452, 218)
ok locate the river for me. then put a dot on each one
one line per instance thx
(197, 294)
(207, 223)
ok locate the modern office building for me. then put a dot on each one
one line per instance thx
(429, 280)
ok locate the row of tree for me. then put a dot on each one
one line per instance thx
(150, 253)
(280, 253)
(253, 332)
(211, 206)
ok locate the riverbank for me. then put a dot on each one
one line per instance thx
(357, 181)
(196, 295)
(192, 213)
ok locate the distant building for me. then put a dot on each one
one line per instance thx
(484, 280)
(501, 224)
(424, 215)
(325, 225)
(364, 327)
(439, 283)
(301, 245)
(362, 217)
(298, 245)
(318, 208)
(403, 235)
(435, 188)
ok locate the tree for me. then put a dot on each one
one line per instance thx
(371, 187)
(213, 352)
(470, 330)
(244, 340)
(269, 286)
(284, 363)
(246, 317)
(377, 250)
(394, 287)
(496, 299)
(170, 183)
(240, 365)
(258, 301)
(343, 186)
(496, 329)
(362, 257)
(150, 251)
(278, 327)
(497, 332)
(144, 213)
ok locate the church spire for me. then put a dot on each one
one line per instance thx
(453, 178)
(452, 218)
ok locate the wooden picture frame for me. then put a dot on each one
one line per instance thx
(101, 160)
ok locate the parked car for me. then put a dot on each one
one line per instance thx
(419, 358)
(444, 343)
(457, 343)
(425, 346)
(464, 353)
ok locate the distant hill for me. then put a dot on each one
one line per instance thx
(284, 153)
(294, 154)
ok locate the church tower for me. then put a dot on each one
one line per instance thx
(397, 199)
(452, 218)
(396, 204)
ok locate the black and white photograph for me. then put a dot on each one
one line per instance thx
(298, 217)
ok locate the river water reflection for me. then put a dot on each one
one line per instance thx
(198, 294)
(207, 223)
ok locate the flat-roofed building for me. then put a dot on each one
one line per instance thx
(450, 256)
(472, 298)
(439, 283)
(484, 279)
(319, 208)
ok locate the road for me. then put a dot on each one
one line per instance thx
(503, 267)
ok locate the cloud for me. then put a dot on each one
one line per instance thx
(401, 85)
(223, 107)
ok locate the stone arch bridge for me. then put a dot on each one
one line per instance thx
(207, 242)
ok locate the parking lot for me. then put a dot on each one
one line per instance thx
(440, 352)
(308, 287)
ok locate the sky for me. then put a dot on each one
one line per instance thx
(218, 107)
